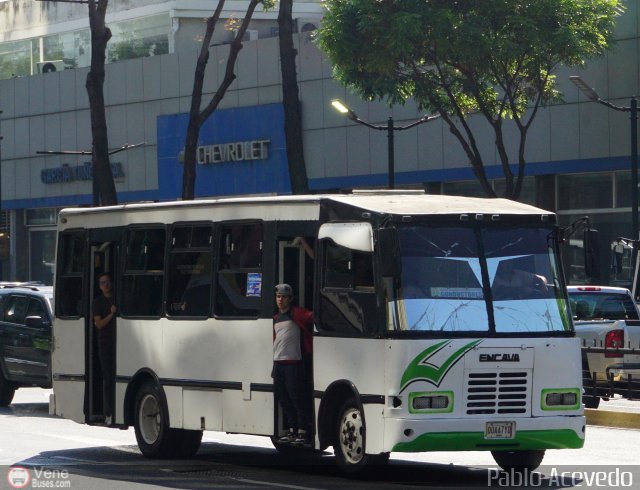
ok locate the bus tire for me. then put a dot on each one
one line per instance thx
(518, 461)
(591, 401)
(7, 390)
(350, 441)
(155, 438)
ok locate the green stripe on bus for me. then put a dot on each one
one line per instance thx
(475, 441)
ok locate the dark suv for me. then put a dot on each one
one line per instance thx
(25, 337)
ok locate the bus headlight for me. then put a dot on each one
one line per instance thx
(431, 402)
(561, 399)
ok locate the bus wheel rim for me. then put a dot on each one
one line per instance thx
(351, 440)
(150, 419)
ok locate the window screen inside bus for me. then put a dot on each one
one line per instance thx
(239, 273)
(189, 271)
(447, 272)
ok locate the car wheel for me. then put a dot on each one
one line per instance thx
(7, 390)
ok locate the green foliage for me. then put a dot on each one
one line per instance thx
(133, 47)
(492, 56)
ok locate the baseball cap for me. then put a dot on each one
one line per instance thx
(284, 290)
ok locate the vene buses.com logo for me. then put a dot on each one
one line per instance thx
(18, 477)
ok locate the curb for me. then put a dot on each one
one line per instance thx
(606, 418)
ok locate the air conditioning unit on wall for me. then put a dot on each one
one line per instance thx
(50, 66)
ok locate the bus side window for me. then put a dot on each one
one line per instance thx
(239, 274)
(144, 272)
(69, 274)
(347, 297)
(338, 267)
(189, 271)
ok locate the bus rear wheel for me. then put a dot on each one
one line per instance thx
(518, 461)
(350, 441)
(7, 390)
(155, 438)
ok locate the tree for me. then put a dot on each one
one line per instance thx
(197, 117)
(291, 100)
(492, 58)
(104, 186)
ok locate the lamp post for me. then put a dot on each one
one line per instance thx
(389, 128)
(592, 95)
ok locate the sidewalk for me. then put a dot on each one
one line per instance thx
(617, 412)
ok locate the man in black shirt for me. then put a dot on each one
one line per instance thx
(104, 319)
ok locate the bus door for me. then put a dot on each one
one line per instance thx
(103, 260)
(296, 268)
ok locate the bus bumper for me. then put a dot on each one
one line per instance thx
(557, 432)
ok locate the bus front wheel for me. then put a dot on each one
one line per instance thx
(155, 438)
(350, 440)
(518, 461)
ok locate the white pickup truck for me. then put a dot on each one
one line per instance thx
(608, 322)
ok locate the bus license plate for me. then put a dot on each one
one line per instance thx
(499, 430)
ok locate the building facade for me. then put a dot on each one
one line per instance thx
(577, 151)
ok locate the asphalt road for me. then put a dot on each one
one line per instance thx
(57, 453)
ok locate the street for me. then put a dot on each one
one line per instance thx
(57, 453)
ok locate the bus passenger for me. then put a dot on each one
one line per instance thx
(104, 318)
(292, 340)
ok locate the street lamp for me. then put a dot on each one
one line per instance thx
(592, 95)
(389, 127)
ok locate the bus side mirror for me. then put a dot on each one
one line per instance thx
(388, 252)
(591, 257)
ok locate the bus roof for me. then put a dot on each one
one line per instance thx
(431, 204)
(378, 201)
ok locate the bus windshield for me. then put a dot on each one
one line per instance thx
(491, 279)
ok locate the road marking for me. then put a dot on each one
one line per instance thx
(273, 484)
(89, 441)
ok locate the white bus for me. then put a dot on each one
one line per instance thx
(440, 323)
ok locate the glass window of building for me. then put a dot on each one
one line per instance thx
(472, 188)
(468, 188)
(616, 268)
(139, 38)
(73, 49)
(527, 193)
(17, 58)
(135, 38)
(41, 217)
(623, 189)
(585, 191)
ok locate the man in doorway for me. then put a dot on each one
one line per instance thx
(292, 340)
(104, 318)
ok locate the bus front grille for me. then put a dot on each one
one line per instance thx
(497, 393)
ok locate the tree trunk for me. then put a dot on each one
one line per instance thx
(101, 166)
(291, 101)
(196, 116)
